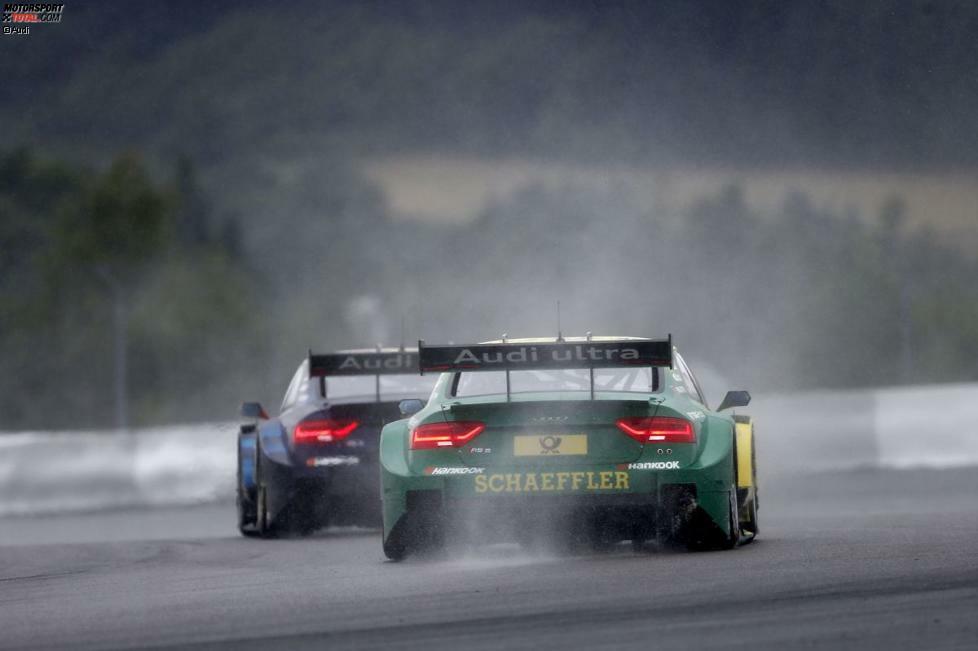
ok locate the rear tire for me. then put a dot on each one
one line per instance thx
(420, 531)
(263, 523)
(730, 540)
(698, 531)
(246, 524)
(703, 535)
(749, 525)
(246, 511)
(400, 542)
(395, 550)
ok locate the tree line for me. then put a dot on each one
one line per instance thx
(118, 293)
(127, 296)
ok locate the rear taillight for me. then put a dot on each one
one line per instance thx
(445, 435)
(658, 430)
(323, 431)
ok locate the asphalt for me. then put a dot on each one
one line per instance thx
(861, 560)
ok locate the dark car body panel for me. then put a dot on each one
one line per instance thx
(304, 486)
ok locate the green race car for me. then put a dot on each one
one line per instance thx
(594, 439)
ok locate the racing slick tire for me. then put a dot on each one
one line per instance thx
(701, 534)
(749, 526)
(246, 509)
(403, 541)
(684, 524)
(395, 549)
(400, 545)
(720, 540)
(731, 540)
(297, 518)
(264, 526)
(246, 526)
(421, 532)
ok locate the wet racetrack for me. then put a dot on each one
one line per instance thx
(869, 559)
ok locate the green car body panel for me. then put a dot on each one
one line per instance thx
(614, 468)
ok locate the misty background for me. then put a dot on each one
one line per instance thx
(788, 188)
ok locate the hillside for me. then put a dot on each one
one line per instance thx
(832, 83)
(760, 177)
(451, 189)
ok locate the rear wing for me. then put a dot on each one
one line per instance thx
(559, 355)
(515, 357)
(400, 362)
(376, 363)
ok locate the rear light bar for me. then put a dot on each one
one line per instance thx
(661, 429)
(323, 431)
(452, 434)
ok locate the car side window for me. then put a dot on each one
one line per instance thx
(692, 386)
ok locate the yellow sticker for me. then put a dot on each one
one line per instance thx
(546, 445)
(745, 457)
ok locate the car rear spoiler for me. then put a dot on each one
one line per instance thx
(376, 363)
(558, 355)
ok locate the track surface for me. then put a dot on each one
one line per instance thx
(859, 560)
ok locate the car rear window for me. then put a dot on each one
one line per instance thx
(362, 385)
(626, 380)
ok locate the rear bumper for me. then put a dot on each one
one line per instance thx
(431, 515)
(499, 507)
(413, 488)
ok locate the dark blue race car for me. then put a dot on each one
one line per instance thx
(316, 463)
